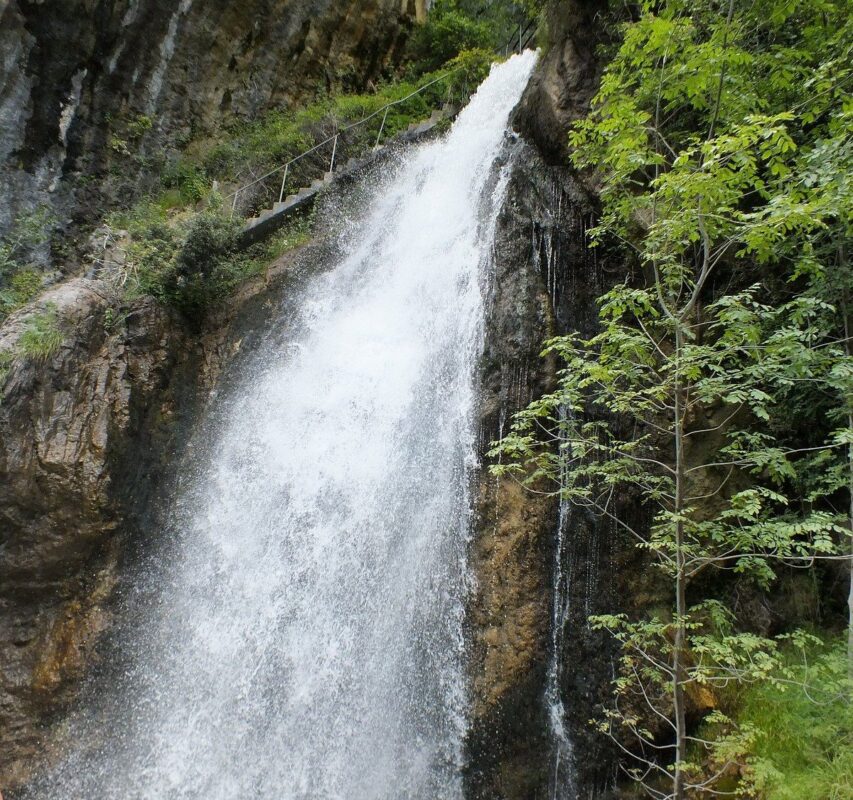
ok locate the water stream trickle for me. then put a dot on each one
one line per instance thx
(305, 639)
(562, 784)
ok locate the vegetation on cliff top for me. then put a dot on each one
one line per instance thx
(180, 245)
(155, 233)
(720, 389)
(20, 279)
(191, 260)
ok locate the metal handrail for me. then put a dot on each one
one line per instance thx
(334, 138)
(512, 44)
(517, 41)
(533, 29)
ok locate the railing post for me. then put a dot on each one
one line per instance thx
(334, 140)
(283, 181)
(381, 128)
(334, 150)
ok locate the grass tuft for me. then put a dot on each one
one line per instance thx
(41, 338)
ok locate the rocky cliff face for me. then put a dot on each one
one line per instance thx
(547, 280)
(510, 558)
(567, 77)
(89, 438)
(77, 431)
(94, 93)
(86, 436)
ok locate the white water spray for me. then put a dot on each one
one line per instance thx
(306, 640)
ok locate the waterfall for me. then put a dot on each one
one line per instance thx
(305, 633)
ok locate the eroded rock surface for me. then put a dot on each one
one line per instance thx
(546, 280)
(71, 437)
(567, 77)
(88, 438)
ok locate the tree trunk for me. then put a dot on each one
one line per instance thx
(680, 580)
(847, 350)
(850, 563)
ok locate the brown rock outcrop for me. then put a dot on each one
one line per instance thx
(88, 438)
(545, 283)
(71, 428)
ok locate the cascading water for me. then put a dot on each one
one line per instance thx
(305, 639)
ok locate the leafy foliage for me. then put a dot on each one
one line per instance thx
(802, 742)
(720, 142)
(194, 261)
(729, 130)
(454, 26)
(634, 413)
(20, 278)
(190, 180)
(448, 31)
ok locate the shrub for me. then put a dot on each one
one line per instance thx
(20, 279)
(189, 179)
(6, 359)
(448, 30)
(471, 68)
(138, 126)
(152, 246)
(23, 286)
(203, 267)
(295, 232)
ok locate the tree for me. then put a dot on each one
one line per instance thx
(700, 137)
(641, 407)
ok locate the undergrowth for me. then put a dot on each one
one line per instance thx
(20, 278)
(40, 339)
(6, 359)
(804, 745)
(790, 738)
(192, 261)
